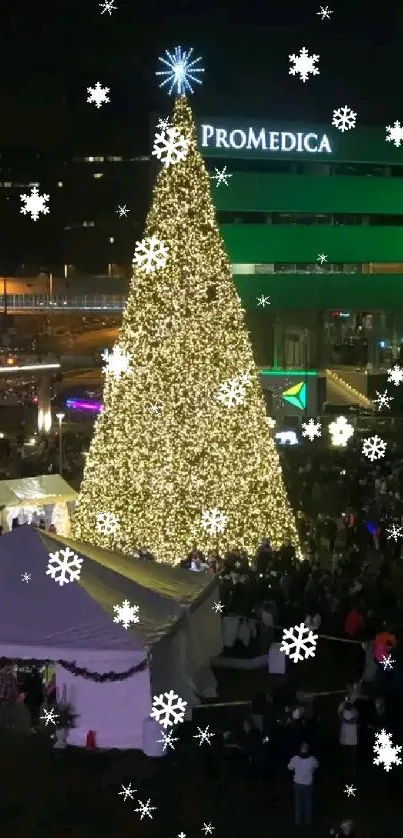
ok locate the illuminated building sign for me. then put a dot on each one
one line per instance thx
(260, 139)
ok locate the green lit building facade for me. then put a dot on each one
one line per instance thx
(296, 192)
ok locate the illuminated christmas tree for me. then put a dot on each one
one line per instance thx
(182, 454)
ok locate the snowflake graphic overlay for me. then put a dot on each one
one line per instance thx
(49, 716)
(65, 569)
(221, 176)
(204, 735)
(107, 523)
(150, 254)
(126, 614)
(168, 709)
(116, 362)
(395, 532)
(25, 577)
(232, 392)
(395, 375)
(374, 448)
(263, 301)
(344, 119)
(181, 73)
(350, 791)
(164, 124)
(145, 809)
(170, 146)
(387, 662)
(304, 64)
(127, 791)
(382, 399)
(207, 828)
(340, 431)
(98, 95)
(324, 12)
(322, 257)
(213, 521)
(34, 204)
(168, 740)
(311, 429)
(301, 639)
(122, 211)
(386, 753)
(218, 607)
(107, 6)
(394, 134)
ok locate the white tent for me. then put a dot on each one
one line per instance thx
(74, 625)
(31, 498)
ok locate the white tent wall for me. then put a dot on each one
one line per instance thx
(181, 661)
(115, 710)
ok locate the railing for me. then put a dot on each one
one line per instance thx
(34, 302)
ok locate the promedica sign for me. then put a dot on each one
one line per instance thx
(258, 141)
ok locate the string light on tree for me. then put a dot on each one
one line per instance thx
(211, 456)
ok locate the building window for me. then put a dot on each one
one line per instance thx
(97, 175)
(115, 159)
(91, 159)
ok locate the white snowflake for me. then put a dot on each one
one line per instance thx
(168, 709)
(126, 614)
(122, 211)
(204, 735)
(340, 430)
(395, 375)
(386, 753)
(167, 740)
(98, 95)
(49, 716)
(382, 399)
(207, 828)
(65, 569)
(213, 521)
(350, 791)
(304, 64)
(107, 523)
(374, 448)
(150, 254)
(270, 421)
(145, 809)
(218, 607)
(221, 176)
(311, 429)
(127, 791)
(387, 662)
(395, 532)
(301, 639)
(232, 392)
(34, 204)
(181, 71)
(107, 6)
(25, 577)
(263, 301)
(394, 133)
(325, 12)
(164, 124)
(322, 257)
(170, 146)
(344, 118)
(116, 362)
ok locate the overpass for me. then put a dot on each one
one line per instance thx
(46, 302)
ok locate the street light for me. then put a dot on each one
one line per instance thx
(60, 417)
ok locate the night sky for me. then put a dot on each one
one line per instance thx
(51, 52)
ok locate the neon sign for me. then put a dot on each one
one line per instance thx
(259, 139)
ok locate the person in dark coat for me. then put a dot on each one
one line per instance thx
(34, 692)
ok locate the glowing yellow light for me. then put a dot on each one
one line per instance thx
(184, 328)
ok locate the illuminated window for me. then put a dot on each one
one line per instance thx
(93, 159)
(88, 224)
(115, 159)
(60, 183)
(97, 175)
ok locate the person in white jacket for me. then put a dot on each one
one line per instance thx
(348, 715)
(303, 766)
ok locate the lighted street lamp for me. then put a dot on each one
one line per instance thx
(60, 417)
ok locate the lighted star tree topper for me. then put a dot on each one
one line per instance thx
(184, 329)
(181, 72)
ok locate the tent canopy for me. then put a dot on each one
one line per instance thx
(44, 620)
(44, 490)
